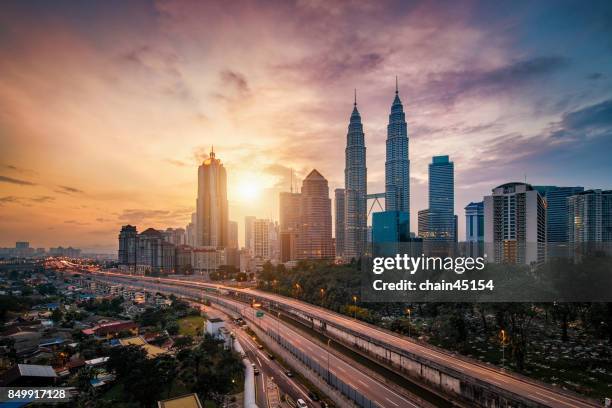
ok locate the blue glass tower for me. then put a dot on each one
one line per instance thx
(397, 164)
(355, 186)
(441, 199)
(557, 210)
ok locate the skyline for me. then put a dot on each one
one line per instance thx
(107, 111)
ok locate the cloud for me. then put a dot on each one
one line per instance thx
(448, 86)
(74, 222)
(591, 120)
(178, 163)
(5, 179)
(42, 199)
(25, 201)
(8, 199)
(69, 190)
(595, 76)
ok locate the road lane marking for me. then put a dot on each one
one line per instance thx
(397, 405)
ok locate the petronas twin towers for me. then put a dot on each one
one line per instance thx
(352, 222)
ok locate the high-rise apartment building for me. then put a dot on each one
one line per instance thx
(153, 253)
(175, 236)
(397, 163)
(441, 199)
(355, 189)
(590, 217)
(128, 243)
(315, 233)
(515, 224)
(211, 204)
(340, 225)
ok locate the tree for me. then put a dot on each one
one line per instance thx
(56, 315)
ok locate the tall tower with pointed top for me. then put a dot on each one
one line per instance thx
(397, 164)
(355, 188)
(211, 204)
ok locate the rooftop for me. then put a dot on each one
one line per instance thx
(186, 401)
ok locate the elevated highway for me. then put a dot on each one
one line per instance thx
(467, 381)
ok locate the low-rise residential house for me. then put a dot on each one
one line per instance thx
(112, 329)
(185, 401)
(213, 326)
(29, 375)
(152, 351)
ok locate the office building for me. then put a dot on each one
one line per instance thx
(211, 204)
(441, 226)
(590, 217)
(190, 231)
(289, 216)
(397, 163)
(205, 260)
(423, 224)
(355, 186)
(390, 227)
(557, 212)
(474, 222)
(249, 238)
(232, 235)
(315, 233)
(340, 227)
(515, 224)
(262, 230)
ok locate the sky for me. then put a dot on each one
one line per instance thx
(108, 107)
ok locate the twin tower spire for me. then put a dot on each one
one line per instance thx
(351, 210)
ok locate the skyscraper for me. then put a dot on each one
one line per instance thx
(441, 199)
(474, 222)
(211, 204)
(261, 238)
(423, 223)
(515, 224)
(355, 186)
(128, 242)
(556, 211)
(289, 216)
(232, 235)
(315, 233)
(397, 164)
(249, 236)
(340, 226)
(590, 217)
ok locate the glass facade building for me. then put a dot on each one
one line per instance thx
(474, 222)
(557, 210)
(397, 164)
(441, 226)
(390, 226)
(355, 190)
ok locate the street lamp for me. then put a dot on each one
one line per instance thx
(355, 306)
(502, 338)
(409, 320)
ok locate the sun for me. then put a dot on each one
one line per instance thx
(248, 191)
